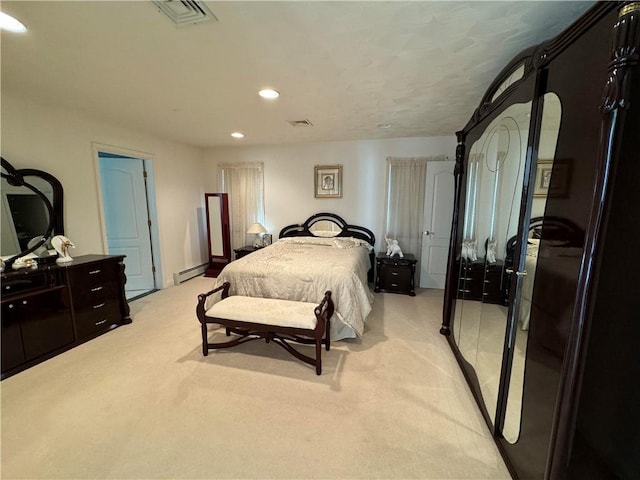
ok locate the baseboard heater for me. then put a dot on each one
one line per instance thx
(189, 273)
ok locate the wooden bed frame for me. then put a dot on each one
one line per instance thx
(346, 230)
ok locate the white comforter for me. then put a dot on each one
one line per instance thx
(303, 269)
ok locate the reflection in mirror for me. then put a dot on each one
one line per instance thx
(517, 74)
(494, 187)
(550, 127)
(25, 215)
(325, 228)
(214, 207)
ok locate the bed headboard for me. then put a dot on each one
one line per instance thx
(560, 231)
(328, 225)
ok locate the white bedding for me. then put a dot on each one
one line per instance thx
(303, 269)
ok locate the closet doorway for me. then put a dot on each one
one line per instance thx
(128, 212)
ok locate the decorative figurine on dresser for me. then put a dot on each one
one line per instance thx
(395, 274)
(49, 306)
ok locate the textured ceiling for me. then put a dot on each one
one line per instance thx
(347, 67)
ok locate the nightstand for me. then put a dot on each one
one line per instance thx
(395, 274)
(246, 250)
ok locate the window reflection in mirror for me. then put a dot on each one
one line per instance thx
(550, 127)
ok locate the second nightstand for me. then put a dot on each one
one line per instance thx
(395, 274)
(246, 250)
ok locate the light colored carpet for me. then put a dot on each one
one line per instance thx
(142, 402)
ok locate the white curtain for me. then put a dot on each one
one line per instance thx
(405, 202)
(404, 215)
(244, 184)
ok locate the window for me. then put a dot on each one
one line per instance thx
(244, 183)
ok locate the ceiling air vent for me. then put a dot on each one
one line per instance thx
(301, 123)
(186, 12)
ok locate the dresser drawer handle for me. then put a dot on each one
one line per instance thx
(93, 272)
(394, 284)
(101, 322)
(395, 273)
(98, 306)
(96, 289)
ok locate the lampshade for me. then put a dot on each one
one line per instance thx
(257, 228)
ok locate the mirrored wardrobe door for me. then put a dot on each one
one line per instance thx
(525, 270)
(504, 155)
(494, 180)
(469, 292)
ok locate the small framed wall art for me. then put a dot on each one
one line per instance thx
(327, 181)
(556, 186)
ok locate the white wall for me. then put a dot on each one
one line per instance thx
(60, 142)
(289, 171)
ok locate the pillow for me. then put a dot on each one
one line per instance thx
(325, 233)
(344, 243)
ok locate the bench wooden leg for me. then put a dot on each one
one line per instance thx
(318, 356)
(205, 347)
(327, 336)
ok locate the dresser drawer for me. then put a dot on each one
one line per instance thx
(17, 283)
(94, 320)
(94, 294)
(93, 275)
(395, 278)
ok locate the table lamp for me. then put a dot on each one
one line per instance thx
(258, 230)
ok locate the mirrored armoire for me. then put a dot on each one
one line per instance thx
(542, 300)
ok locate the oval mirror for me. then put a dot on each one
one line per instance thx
(31, 211)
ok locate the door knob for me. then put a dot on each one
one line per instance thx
(519, 274)
(427, 232)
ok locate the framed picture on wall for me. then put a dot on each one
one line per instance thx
(327, 181)
(556, 185)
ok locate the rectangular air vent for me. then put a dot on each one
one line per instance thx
(301, 123)
(186, 12)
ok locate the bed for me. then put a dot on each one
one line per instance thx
(323, 253)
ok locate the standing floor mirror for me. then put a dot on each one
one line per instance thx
(218, 232)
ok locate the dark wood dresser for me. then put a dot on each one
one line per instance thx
(53, 308)
(483, 282)
(395, 274)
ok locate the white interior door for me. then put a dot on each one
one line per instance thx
(438, 214)
(124, 198)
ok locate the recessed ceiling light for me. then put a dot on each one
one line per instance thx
(7, 22)
(269, 93)
(384, 125)
(237, 135)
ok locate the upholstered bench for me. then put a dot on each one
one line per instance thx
(280, 321)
